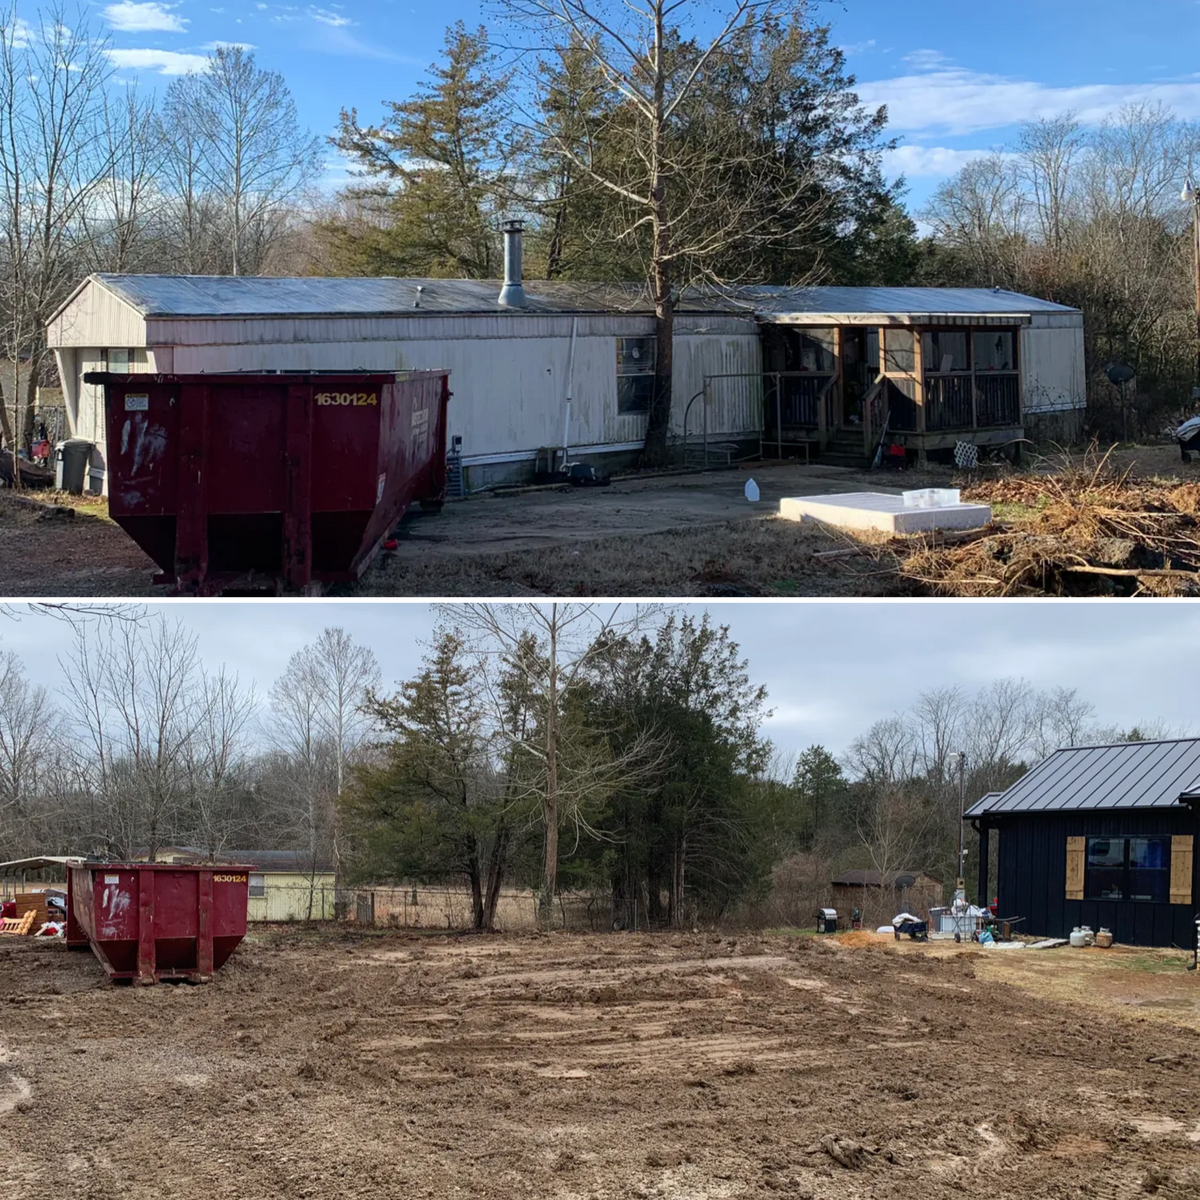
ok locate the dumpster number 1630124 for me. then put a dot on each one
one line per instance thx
(346, 399)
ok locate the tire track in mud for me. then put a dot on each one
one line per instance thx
(14, 1088)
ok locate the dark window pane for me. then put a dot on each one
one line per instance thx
(1150, 885)
(946, 351)
(995, 351)
(634, 392)
(1150, 852)
(1106, 883)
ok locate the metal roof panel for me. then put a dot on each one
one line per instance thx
(167, 296)
(1086, 778)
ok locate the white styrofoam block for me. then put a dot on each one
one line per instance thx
(888, 514)
(932, 498)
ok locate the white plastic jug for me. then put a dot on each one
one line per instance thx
(751, 491)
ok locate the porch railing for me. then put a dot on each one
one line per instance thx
(952, 402)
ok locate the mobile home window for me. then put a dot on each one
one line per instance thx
(636, 359)
(258, 885)
(1128, 869)
(125, 362)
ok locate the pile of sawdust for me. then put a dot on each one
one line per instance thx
(1092, 531)
(863, 937)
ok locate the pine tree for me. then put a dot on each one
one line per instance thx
(439, 164)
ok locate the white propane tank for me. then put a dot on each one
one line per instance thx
(1078, 938)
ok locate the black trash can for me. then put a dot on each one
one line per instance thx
(827, 920)
(72, 459)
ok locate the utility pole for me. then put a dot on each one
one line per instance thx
(1192, 197)
(962, 809)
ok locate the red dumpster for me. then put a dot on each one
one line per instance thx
(253, 482)
(152, 921)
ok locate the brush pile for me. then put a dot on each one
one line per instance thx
(1086, 531)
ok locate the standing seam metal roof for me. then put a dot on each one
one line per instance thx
(167, 296)
(1097, 778)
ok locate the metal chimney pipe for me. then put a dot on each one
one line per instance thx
(513, 295)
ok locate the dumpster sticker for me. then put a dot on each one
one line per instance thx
(137, 403)
(347, 399)
(229, 879)
(112, 879)
(380, 486)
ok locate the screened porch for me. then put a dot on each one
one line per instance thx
(930, 386)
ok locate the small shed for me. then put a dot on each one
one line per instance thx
(880, 895)
(1099, 835)
(285, 885)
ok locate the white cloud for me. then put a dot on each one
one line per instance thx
(165, 62)
(329, 18)
(942, 98)
(928, 162)
(130, 17)
(19, 34)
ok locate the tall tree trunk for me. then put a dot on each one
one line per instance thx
(495, 878)
(550, 806)
(475, 876)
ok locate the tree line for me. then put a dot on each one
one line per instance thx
(670, 143)
(569, 748)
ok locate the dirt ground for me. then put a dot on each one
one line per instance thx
(680, 1067)
(675, 535)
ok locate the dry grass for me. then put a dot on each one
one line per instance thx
(1089, 530)
(771, 558)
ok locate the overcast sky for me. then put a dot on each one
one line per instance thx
(831, 668)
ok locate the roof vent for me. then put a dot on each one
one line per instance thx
(513, 294)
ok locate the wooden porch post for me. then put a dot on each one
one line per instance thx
(918, 337)
(839, 394)
(974, 379)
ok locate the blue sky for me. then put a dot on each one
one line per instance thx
(958, 75)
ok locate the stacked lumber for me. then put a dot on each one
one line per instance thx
(17, 926)
(33, 902)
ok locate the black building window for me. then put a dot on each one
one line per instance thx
(1131, 868)
(635, 374)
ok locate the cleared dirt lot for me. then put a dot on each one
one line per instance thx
(603, 1067)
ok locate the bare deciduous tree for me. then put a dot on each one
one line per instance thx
(242, 145)
(55, 154)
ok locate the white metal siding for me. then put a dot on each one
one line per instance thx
(96, 317)
(510, 394)
(1053, 376)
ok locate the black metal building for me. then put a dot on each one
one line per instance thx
(1101, 836)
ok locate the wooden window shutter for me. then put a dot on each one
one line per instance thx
(1076, 849)
(1181, 869)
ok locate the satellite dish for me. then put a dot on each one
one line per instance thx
(1119, 373)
